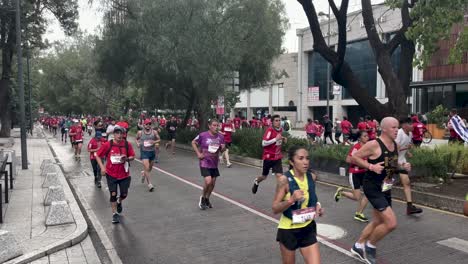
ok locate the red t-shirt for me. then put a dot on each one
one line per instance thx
(372, 126)
(237, 122)
(95, 143)
(162, 122)
(311, 128)
(272, 151)
(227, 130)
(346, 127)
(319, 130)
(78, 131)
(362, 126)
(114, 167)
(418, 131)
(352, 167)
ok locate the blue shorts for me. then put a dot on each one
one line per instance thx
(148, 155)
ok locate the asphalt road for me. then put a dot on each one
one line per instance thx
(167, 226)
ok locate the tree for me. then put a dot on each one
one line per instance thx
(34, 26)
(180, 51)
(417, 17)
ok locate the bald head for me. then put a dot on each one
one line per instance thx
(389, 127)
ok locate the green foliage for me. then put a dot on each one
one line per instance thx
(248, 142)
(183, 136)
(334, 152)
(438, 116)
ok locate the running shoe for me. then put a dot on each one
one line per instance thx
(98, 184)
(167, 146)
(338, 194)
(142, 177)
(361, 217)
(115, 218)
(229, 165)
(358, 252)
(413, 210)
(255, 187)
(150, 187)
(201, 203)
(207, 202)
(370, 255)
(119, 207)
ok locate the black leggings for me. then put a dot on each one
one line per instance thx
(96, 170)
(328, 135)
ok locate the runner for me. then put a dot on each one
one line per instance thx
(362, 125)
(311, 131)
(226, 130)
(338, 130)
(237, 122)
(146, 140)
(404, 144)
(271, 142)
(418, 129)
(76, 132)
(93, 146)
(118, 152)
(171, 127)
(382, 164)
(346, 127)
(207, 145)
(296, 199)
(63, 130)
(371, 128)
(356, 176)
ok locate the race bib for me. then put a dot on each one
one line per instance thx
(116, 159)
(172, 128)
(213, 148)
(303, 215)
(104, 134)
(387, 184)
(90, 127)
(79, 141)
(228, 129)
(66, 129)
(147, 143)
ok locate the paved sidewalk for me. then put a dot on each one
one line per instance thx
(25, 215)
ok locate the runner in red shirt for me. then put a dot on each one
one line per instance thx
(362, 125)
(237, 122)
(76, 134)
(371, 128)
(311, 130)
(93, 146)
(226, 130)
(320, 130)
(356, 177)
(418, 131)
(346, 127)
(271, 142)
(118, 152)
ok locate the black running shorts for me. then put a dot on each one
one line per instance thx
(207, 172)
(296, 238)
(379, 200)
(274, 165)
(123, 184)
(355, 180)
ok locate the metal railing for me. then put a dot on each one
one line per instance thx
(8, 180)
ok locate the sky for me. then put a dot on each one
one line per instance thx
(91, 18)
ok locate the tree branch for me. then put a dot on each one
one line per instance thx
(369, 23)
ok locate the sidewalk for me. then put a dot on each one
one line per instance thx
(25, 214)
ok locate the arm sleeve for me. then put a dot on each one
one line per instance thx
(268, 142)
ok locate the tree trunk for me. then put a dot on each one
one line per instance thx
(5, 112)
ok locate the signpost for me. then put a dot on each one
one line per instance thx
(313, 93)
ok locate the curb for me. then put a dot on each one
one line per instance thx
(80, 233)
(440, 202)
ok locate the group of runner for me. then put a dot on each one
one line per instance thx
(373, 166)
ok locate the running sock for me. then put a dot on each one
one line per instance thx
(368, 244)
(358, 245)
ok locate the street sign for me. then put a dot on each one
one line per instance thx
(220, 105)
(313, 93)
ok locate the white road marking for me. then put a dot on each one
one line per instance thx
(329, 232)
(455, 243)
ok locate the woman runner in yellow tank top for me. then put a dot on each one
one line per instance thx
(297, 227)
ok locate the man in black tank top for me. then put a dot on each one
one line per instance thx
(382, 164)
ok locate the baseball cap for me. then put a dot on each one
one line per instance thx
(119, 128)
(147, 121)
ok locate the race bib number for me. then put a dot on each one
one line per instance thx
(90, 127)
(79, 141)
(213, 148)
(303, 215)
(116, 159)
(228, 129)
(387, 184)
(104, 134)
(147, 143)
(172, 128)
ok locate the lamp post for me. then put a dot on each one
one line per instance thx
(19, 55)
(328, 63)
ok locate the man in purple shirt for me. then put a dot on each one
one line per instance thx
(208, 145)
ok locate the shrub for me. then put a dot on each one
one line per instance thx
(183, 136)
(438, 116)
(248, 142)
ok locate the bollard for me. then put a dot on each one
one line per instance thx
(1, 206)
(6, 185)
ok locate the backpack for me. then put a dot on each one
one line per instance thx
(112, 144)
(286, 126)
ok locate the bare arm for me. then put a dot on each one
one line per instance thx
(101, 165)
(282, 187)
(366, 151)
(138, 136)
